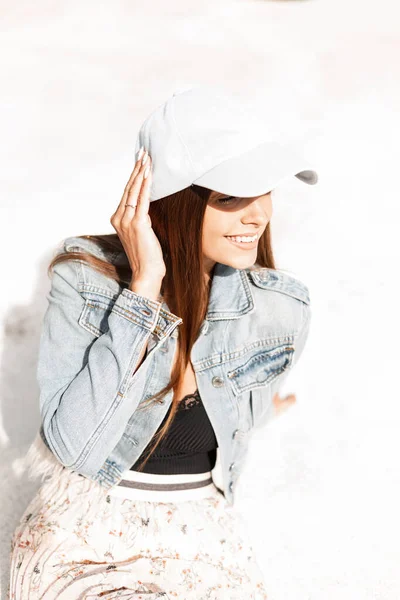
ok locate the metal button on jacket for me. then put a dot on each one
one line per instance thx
(217, 381)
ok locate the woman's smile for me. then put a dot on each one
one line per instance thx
(238, 241)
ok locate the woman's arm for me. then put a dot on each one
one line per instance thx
(83, 380)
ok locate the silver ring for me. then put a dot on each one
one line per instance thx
(132, 205)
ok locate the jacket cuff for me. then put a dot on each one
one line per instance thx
(137, 309)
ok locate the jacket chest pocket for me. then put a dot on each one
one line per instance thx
(261, 368)
(254, 379)
(95, 313)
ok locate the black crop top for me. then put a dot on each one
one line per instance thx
(189, 445)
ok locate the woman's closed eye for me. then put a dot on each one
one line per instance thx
(226, 200)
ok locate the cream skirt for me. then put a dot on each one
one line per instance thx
(151, 536)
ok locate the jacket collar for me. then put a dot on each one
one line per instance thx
(230, 294)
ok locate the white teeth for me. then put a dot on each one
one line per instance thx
(242, 238)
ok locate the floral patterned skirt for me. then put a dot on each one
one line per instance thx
(78, 541)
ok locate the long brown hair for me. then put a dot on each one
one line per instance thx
(177, 221)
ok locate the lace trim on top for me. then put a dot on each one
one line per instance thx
(190, 400)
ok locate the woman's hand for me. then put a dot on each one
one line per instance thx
(282, 404)
(133, 226)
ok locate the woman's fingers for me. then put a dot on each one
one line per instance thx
(135, 196)
(143, 203)
(132, 193)
(137, 171)
(282, 404)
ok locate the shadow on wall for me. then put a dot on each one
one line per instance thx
(20, 415)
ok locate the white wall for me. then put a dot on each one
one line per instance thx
(321, 489)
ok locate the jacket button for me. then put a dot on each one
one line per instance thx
(234, 434)
(231, 466)
(231, 486)
(217, 381)
(262, 376)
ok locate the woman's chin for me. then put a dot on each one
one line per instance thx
(240, 262)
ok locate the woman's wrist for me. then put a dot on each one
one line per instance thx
(148, 289)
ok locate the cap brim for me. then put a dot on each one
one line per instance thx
(257, 171)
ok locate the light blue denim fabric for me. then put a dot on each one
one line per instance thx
(92, 335)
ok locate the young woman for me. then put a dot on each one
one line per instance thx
(135, 414)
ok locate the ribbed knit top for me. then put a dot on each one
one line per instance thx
(189, 445)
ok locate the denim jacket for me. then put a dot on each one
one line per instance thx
(92, 335)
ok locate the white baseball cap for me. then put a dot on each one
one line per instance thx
(203, 135)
